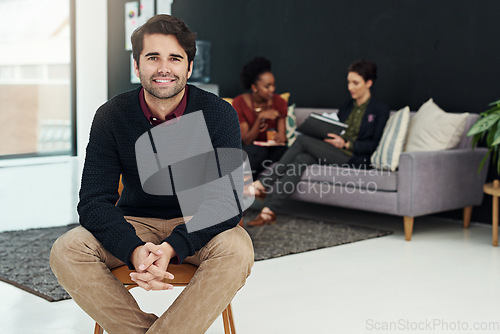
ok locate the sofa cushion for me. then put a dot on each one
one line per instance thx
(291, 125)
(433, 129)
(228, 99)
(369, 179)
(466, 141)
(285, 96)
(386, 156)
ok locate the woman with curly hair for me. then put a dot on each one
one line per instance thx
(260, 110)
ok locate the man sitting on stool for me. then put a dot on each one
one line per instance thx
(148, 231)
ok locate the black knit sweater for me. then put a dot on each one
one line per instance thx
(111, 151)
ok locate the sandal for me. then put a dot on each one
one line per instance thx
(264, 218)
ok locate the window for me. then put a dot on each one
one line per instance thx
(35, 78)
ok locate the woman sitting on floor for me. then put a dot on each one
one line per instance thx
(365, 117)
(260, 111)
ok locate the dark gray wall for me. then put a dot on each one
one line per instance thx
(440, 49)
(444, 49)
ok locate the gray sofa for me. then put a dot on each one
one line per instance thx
(425, 182)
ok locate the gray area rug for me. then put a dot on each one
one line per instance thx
(24, 255)
(291, 235)
(24, 261)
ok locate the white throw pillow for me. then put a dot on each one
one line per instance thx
(291, 125)
(433, 129)
(386, 156)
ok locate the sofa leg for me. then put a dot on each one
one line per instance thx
(408, 221)
(467, 216)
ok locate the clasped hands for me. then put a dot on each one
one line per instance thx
(151, 262)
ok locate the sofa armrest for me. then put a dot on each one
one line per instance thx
(436, 181)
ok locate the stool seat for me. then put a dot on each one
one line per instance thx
(183, 273)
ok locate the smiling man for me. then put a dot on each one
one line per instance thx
(145, 231)
(164, 69)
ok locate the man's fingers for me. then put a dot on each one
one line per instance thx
(154, 251)
(153, 273)
(144, 285)
(144, 277)
(154, 285)
(160, 274)
(148, 261)
(153, 248)
(159, 285)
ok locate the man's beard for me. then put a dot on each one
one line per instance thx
(158, 92)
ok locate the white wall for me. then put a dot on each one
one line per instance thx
(91, 66)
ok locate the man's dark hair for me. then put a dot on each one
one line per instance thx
(253, 69)
(166, 25)
(364, 68)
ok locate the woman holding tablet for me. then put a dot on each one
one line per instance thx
(365, 117)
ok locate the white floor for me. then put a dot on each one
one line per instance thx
(444, 281)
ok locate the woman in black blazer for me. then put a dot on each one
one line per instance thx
(370, 131)
(366, 118)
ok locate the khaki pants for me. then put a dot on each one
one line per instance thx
(82, 267)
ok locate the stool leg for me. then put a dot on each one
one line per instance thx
(98, 329)
(231, 320)
(225, 319)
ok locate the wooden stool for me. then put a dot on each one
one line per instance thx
(182, 276)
